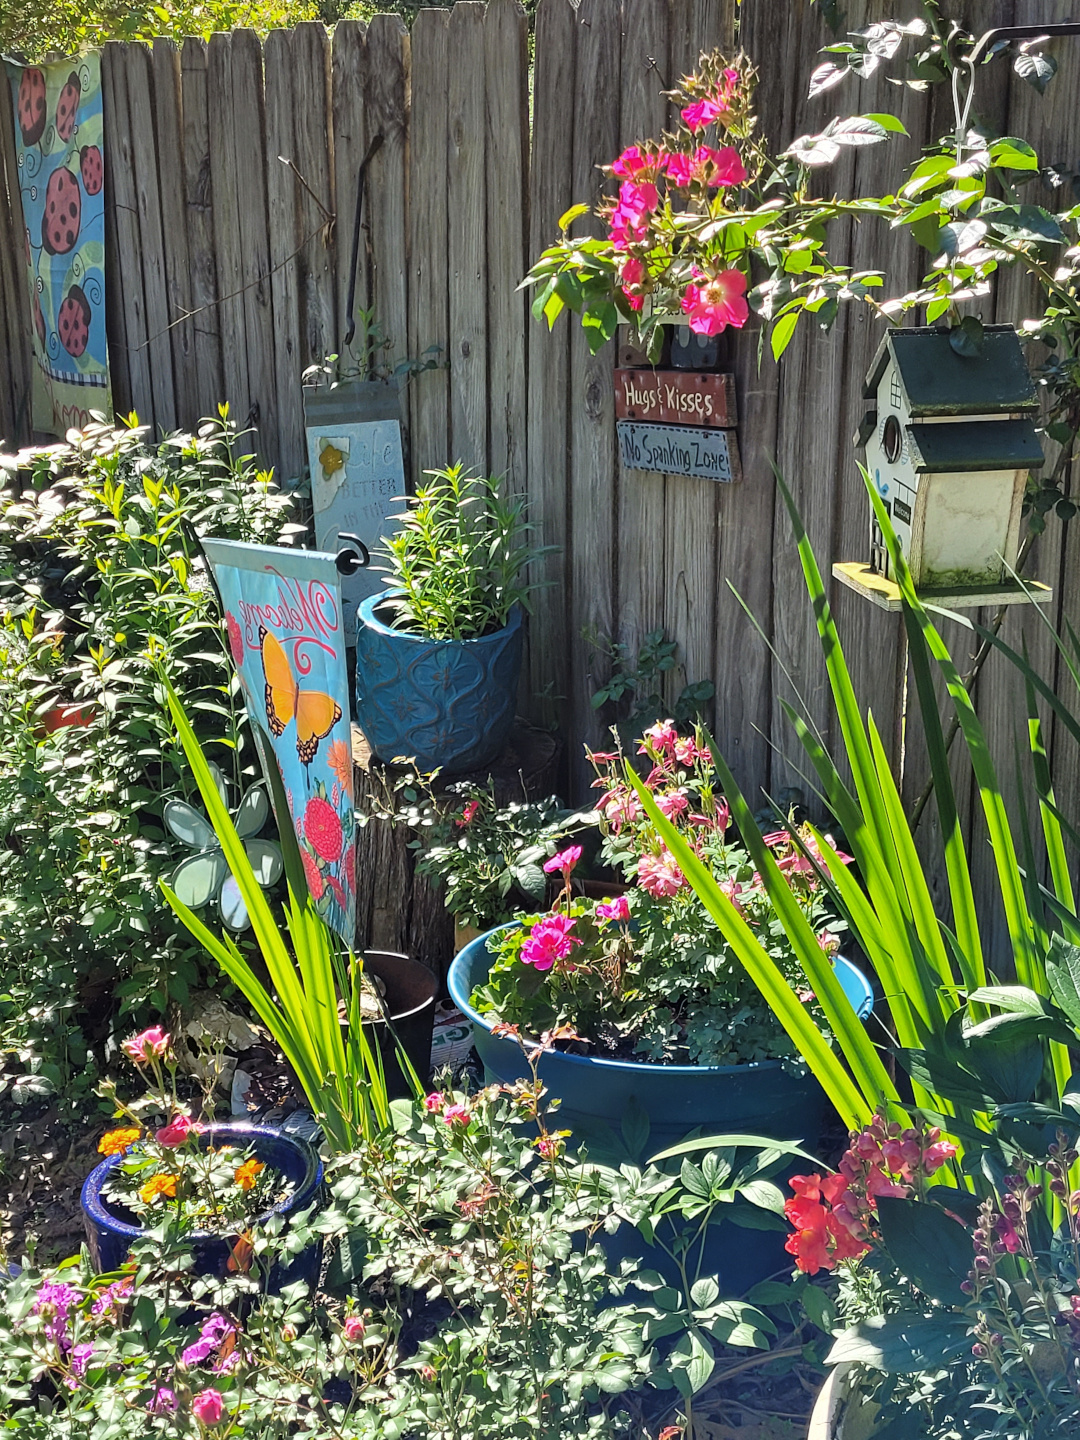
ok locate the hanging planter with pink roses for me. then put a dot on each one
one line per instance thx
(707, 226)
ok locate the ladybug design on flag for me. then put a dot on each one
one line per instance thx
(31, 107)
(62, 216)
(73, 322)
(92, 168)
(67, 107)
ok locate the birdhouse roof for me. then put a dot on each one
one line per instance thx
(937, 381)
(975, 445)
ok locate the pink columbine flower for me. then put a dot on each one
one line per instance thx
(549, 940)
(620, 808)
(776, 838)
(565, 861)
(457, 1114)
(659, 876)
(468, 814)
(354, 1329)
(672, 805)
(661, 737)
(717, 303)
(179, 1128)
(208, 1406)
(733, 889)
(149, 1045)
(617, 909)
(434, 1102)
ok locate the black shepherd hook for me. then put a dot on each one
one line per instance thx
(350, 329)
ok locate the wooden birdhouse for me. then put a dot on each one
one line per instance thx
(949, 442)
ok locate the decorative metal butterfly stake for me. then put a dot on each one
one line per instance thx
(204, 876)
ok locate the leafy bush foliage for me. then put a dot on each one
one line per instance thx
(100, 579)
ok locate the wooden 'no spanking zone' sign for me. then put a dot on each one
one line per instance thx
(678, 422)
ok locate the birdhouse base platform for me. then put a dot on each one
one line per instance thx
(885, 593)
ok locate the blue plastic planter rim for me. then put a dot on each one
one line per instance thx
(367, 617)
(856, 987)
(94, 1206)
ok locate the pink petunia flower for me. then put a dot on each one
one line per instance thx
(659, 876)
(717, 303)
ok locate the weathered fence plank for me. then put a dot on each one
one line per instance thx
(467, 212)
(386, 102)
(429, 294)
(199, 224)
(170, 157)
(281, 203)
(315, 199)
(350, 145)
(228, 257)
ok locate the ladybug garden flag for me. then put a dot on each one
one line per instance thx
(58, 139)
(283, 617)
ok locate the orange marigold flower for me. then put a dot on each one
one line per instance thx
(159, 1185)
(247, 1173)
(339, 758)
(118, 1142)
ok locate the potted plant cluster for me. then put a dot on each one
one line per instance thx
(211, 1182)
(959, 1258)
(438, 653)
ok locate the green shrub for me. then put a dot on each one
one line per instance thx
(100, 574)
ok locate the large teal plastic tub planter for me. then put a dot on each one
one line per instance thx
(761, 1099)
(448, 704)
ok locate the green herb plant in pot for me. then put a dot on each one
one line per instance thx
(438, 653)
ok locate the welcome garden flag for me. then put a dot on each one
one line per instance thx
(58, 140)
(283, 615)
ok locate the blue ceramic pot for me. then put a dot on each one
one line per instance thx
(596, 1094)
(447, 704)
(110, 1235)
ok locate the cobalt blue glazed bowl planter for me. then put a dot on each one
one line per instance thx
(445, 704)
(110, 1231)
(596, 1093)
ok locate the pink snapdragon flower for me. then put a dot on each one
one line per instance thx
(717, 303)
(659, 876)
(565, 861)
(617, 909)
(179, 1128)
(549, 940)
(149, 1045)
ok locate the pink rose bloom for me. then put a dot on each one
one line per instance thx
(702, 113)
(626, 228)
(631, 162)
(661, 737)
(638, 198)
(565, 861)
(719, 167)
(631, 270)
(659, 876)
(177, 1131)
(434, 1102)
(672, 805)
(634, 301)
(549, 940)
(679, 169)
(208, 1407)
(468, 814)
(617, 909)
(717, 303)
(457, 1115)
(149, 1045)
(354, 1329)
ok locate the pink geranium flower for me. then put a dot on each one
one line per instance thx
(617, 909)
(149, 1045)
(565, 861)
(549, 940)
(717, 303)
(659, 876)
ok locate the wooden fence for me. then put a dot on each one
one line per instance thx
(232, 174)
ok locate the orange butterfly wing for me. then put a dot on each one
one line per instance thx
(282, 691)
(316, 716)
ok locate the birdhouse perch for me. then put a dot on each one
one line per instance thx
(949, 441)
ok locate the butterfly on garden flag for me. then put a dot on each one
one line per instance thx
(315, 712)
